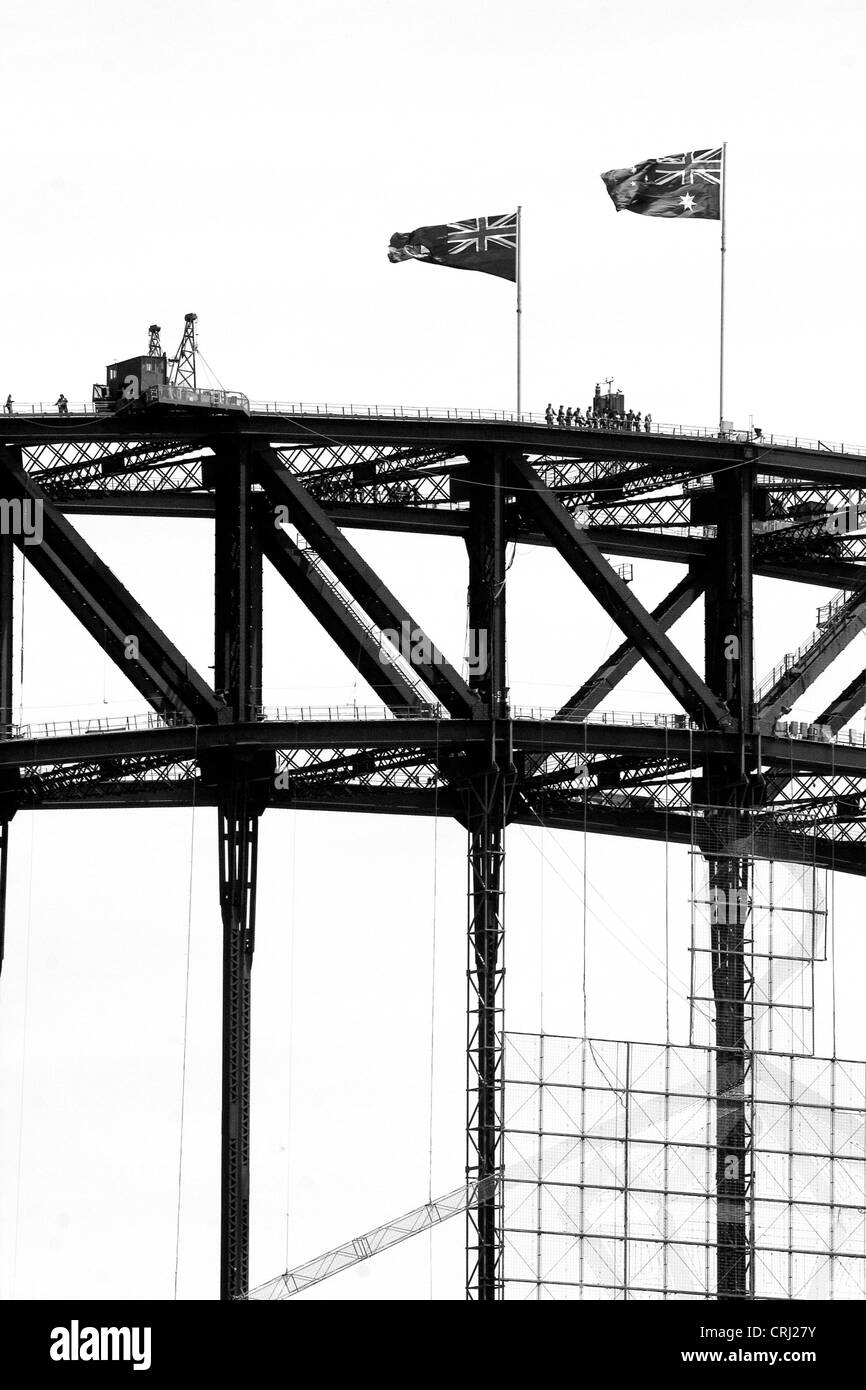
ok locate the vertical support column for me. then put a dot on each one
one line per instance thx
(7, 614)
(486, 815)
(729, 673)
(238, 834)
(238, 586)
(7, 628)
(237, 671)
(730, 895)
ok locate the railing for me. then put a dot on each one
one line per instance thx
(388, 655)
(827, 611)
(101, 724)
(625, 718)
(482, 415)
(803, 730)
(790, 660)
(299, 714)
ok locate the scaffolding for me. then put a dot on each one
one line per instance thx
(611, 1186)
(781, 910)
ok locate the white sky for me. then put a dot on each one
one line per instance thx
(249, 162)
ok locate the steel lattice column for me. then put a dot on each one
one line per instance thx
(485, 1026)
(729, 673)
(486, 814)
(238, 830)
(6, 705)
(730, 885)
(241, 796)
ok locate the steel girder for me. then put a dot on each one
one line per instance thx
(618, 601)
(814, 657)
(64, 468)
(725, 786)
(489, 789)
(480, 766)
(358, 641)
(8, 802)
(627, 655)
(402, 485)
(243, 779)
(106, 609)
(680, 452)
(238, 831)
(841, 710)
(537, 737)
(364, 585)
(801, 831)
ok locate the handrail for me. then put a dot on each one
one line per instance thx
(99, 724)
(818, 635)
(807, 730)
(482, 415)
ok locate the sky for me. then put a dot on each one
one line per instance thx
(249, 162)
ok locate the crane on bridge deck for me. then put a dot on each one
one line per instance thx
(353, 1252)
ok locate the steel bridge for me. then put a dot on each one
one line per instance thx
(289, 485)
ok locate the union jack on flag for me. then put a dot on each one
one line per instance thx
(678, 185)
(685, 168)
(476, 243)
(479, 233)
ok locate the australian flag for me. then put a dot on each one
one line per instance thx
(680, 185)
(478, 243)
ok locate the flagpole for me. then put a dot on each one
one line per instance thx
(519, 308)
(722, 296)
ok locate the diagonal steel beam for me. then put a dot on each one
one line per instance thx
(104, 607)
(814, 657)
(845, 706)
(355, 641)
(615, 596)
(365, 586)
(627, 656)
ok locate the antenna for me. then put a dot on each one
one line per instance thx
(154, 346)
(183, 363)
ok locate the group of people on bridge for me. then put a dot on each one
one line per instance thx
(61, 403)
(569, 419)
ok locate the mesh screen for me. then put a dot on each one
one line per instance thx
(610, 1172)
(782, 910)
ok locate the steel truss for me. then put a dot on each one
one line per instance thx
(444, 743)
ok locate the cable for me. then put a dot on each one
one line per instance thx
(21, 652)
(185, 1014)
(667, 916)
(291, 1048)
(608, 905)
(208, 367)
(832, 923)
(541, 931)
(585, 846)
(27, 937)
(433, 1002)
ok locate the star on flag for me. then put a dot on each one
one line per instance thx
(678, 185)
